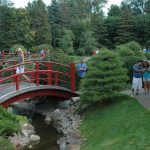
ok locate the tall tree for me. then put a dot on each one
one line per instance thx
(147, 7)
(125, 29)
(66, 42)
(142, 28)
(39, 22)
(55, 21)
(137, 6)
(8, 25)
(114, 11)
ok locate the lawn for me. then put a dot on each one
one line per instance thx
(121, 125)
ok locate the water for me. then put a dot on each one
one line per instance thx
(47, 133)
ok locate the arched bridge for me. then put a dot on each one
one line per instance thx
(47, 79)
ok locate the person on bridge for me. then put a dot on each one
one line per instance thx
(137, 77)
(20, 68)
(81, 69)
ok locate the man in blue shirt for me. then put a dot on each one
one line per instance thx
(81, 68)
(137, 77)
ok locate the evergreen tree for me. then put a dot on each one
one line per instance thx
(88, 42)
(39, 22)
(105, 78)
(114, 11)
(137, 6)
(142, 28)
(55, 21)
(8, 25)
(66, 42)
(125, 29)
(147, 7)
(112, 25)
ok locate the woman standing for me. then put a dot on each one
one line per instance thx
(146, 77)
(20, 68)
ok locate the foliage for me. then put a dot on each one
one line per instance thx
(137, 6)
(40, 47)
(104, 79)
(39, 22)
(5, 144)
(142, 28)
(88, 42)
(14, 47)
(8, 123)
(125, 28)
(129, 54)
(116, 126)
(66, 42)
(114, 11)
(21, 119)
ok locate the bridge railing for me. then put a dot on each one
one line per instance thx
(47, 73)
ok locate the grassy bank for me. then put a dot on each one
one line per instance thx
(122, 125)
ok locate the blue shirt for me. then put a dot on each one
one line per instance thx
(81, 68)
(136, 71)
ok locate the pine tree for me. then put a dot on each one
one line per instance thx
(55, 21)
(125, 29)
(39, 22)
(104, 79)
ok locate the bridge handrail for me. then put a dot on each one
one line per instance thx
(37, 72)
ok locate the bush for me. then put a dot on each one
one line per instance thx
(5, 144)
(104, 79)
(129, 54)
(14, 47)
(37, 48)
(8, 123)
(80, 51)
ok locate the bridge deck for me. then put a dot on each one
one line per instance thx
(9, 90)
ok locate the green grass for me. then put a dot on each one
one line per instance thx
(122, 125)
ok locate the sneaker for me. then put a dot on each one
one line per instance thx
(137, 93)
(132, 95)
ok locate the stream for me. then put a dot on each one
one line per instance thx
(47, 133)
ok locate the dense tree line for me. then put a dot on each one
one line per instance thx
(74, 26)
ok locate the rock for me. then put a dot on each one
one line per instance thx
(24, 132)
(30, 146)
(34, 138)
(75, 99)
(73, 147)
(48, 120)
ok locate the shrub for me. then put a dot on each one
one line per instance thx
(5, 144)
(129, 54)
(104, 79)
(8, 123)
(14, 47)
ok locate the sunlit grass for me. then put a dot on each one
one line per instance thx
(121, 125)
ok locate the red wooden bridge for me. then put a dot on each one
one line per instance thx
(47, 79)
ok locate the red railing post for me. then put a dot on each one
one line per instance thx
(49, 66)
(56, 79)
(17, 82)
(3, 56)
(37, 73)
(14, 63)
(72, 76)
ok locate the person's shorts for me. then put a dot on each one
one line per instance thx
(137, 83)
(146, 79)
(20, 69)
